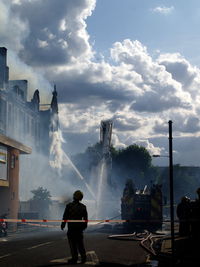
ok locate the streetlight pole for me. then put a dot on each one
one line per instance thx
(171, 185)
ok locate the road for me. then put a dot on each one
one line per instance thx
(50, 248)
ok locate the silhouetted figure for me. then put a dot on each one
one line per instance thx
(127, 200)
(184, 213)
(76, 211)
(54, 101)
(36, 100)
(195, 216)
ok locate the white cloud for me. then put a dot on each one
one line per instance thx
(153, 150)
(42, 44)
(163, 10)
(13, 30)
(182, 71)
(140, 93)
(64, 29)
(36, 80)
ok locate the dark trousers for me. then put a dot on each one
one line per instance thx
(184, 228)
(76, 245)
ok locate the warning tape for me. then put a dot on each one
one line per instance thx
(41, 225)
(75, 221)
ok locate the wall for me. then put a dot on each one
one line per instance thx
(13, 185)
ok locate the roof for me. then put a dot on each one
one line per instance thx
(15, 144)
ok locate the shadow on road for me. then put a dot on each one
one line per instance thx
(103, 264)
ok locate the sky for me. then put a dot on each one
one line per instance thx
(136, 62)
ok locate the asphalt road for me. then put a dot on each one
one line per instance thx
(50, 248)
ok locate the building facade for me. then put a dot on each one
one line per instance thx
(10, 151)
(22, 120)
(24, 129)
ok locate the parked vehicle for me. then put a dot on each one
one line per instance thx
(3, 226)
(142, 207)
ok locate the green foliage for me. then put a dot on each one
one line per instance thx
(41, 194)
(131, 162)
(133, 157)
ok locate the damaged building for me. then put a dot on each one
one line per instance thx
(22, 120)
(24, 127)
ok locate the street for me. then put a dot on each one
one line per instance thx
(50, 248)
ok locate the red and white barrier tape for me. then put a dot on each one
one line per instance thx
(42, 225)
(74, 221)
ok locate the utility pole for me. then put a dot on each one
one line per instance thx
(171, 186)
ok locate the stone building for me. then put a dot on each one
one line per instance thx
(24, 128)
(20, 119)
(10, 151)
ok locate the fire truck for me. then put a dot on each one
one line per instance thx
(142, 208)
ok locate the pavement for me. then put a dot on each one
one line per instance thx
(29, 243)
(104, 252)
(187, 252)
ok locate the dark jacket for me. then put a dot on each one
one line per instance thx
(184, 211)
(75, 211)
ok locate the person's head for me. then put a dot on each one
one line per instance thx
(198, 191)
(78, 195)
(185, 199)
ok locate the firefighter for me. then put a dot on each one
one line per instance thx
(127, 200)
(184, 213)
(195, 216)
(76, 211)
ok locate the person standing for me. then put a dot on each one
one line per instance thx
(195, 217)
(76, 211)
(184, 215)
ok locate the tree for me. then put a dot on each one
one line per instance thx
(41, 201)
(133, 157)
(41, 194)
(132, 162)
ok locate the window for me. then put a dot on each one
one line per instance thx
(2, 114)
(2, 157)
(19, 92)
(3, 163)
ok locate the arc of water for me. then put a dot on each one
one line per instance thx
(79, 174)
(101, 185)
(58, 158)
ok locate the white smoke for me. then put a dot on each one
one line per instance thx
(56, 160)
(59, 159)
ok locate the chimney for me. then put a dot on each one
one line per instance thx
(4, 70)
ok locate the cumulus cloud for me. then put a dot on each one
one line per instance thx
(158, 86)
(181, 124)
(182, 71)
(57, 31)
(153, 150)
(124, 122)
(13, 31)
(140, 93)
(163, 10)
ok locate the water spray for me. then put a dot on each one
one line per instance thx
(58, 157)
(78, 173)
(105, 164)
